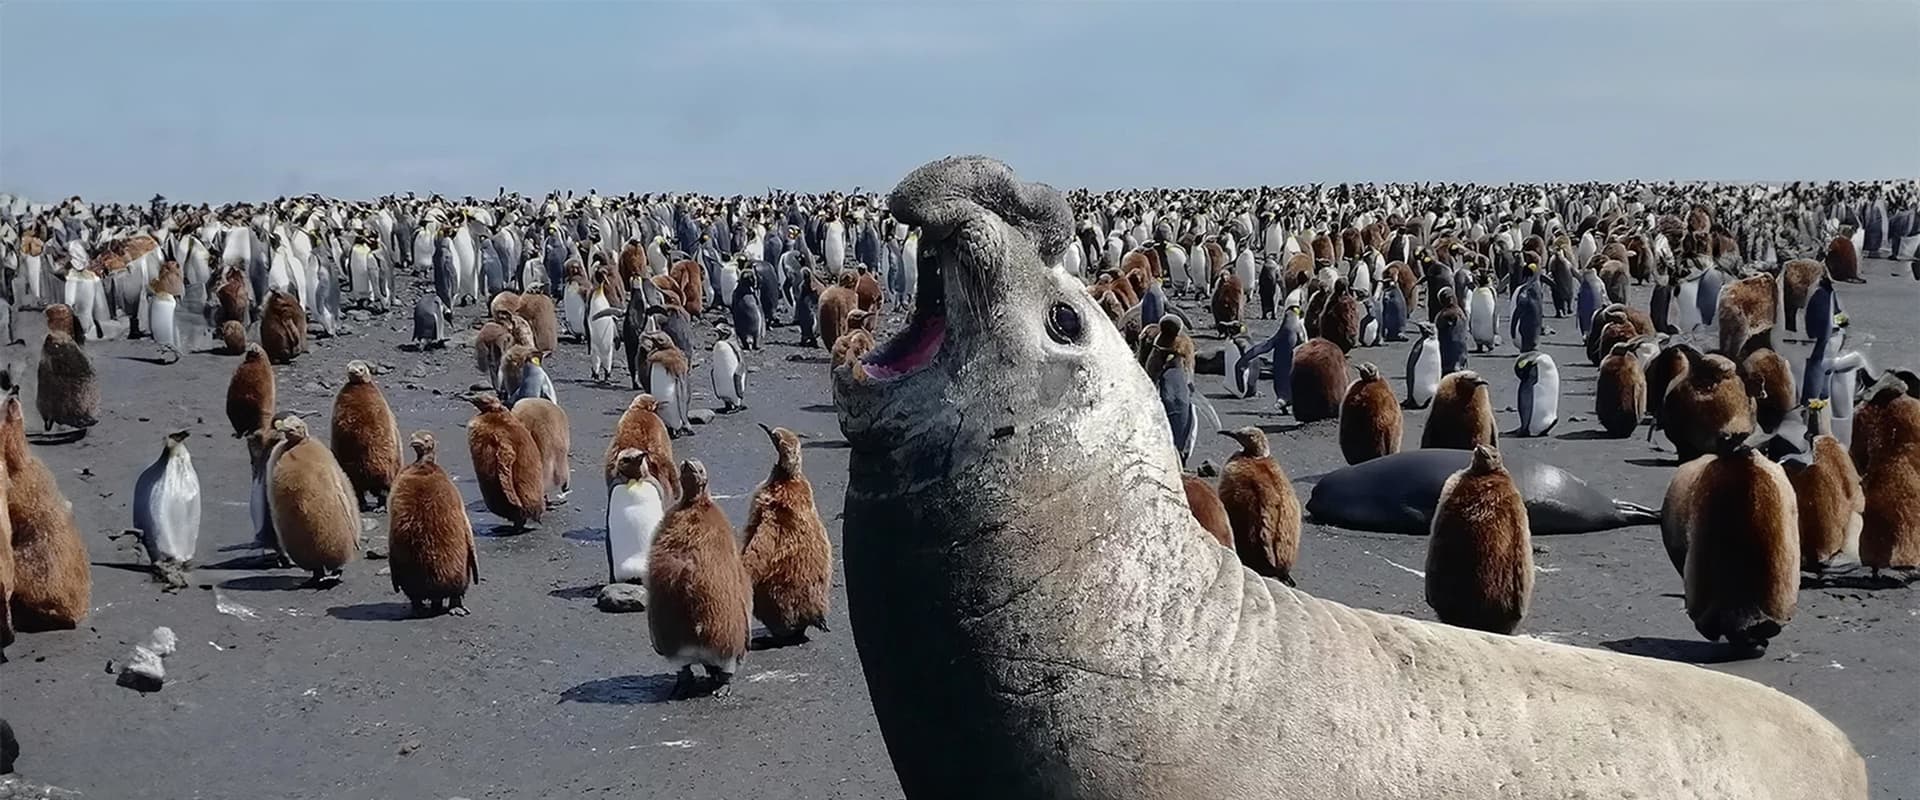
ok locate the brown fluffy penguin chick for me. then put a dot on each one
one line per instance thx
(1890, 523)
(1745, 311)
(787, 555)
(283, 328)
(365, 437)
(1731, 525)
(1207, 509)
(1620, 392)
(546, 421)
(1460, 417)
(1319, 380)
(68, 394)
(1369, 418)
(52, 583)
(234, 298)
(1826, 488)
(641, 428)
(856, 342)
(491, 343)
(1261, 507)
(59, 317)
(1170, 344)
(1229, 299)
(1669, 365)
(505, 300)
(1614, 275)
(1480, 551)
(250, 393)
(692, 280)
(1769, 381)
(233, 338)
(1705, 405)
(1798, 277)
(506, 463)
(429, 538)
(6, 567)
(698, 594)
(1340, 321)
(836, 303)
(311, 503)
(866, 291)
(538, 311)
(1843, 260)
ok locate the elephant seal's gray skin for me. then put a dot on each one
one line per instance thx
(1039, 615)
(1397, 494)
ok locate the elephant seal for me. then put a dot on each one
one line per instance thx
(1397, 494)
(1039, 615)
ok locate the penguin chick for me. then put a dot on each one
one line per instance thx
(1480, 551)
(52, 583)
(365, 437)
(1620, 392)
(641, 428)
(1370, 419)
(1461, 415)
(1745, 310)
(698, 594)
(233, 338)
(837, 302)
(68, 394)
(430, 539)
(1731, 526)
(1207, 509)
(311, 501)
(1826, 488)
(1890, 522)
(546, 421)
(1261, 506)
(1769, 381)
(250, 393)
(283, 328)
(542, 325)
(1319, 380)
(506, 463)
(855, 343)
(787, 554)
(1706, 404)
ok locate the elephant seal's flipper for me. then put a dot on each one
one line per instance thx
(1038, 614)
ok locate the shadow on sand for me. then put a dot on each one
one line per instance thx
(374, 612)
(623, 691)
(1689, 651)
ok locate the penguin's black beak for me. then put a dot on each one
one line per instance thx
(764, 427)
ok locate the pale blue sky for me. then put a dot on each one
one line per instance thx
(249, 99)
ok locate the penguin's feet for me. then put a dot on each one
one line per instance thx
(683, 685)
(454, 608)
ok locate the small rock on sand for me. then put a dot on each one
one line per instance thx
(621, 598)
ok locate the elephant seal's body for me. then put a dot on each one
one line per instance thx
(1396, 494)
(1039, 615)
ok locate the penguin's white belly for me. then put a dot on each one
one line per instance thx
(1687, 315)
(176, 513)
(634, 511)
(1480, 317)
(1426, 373)
(835, 249)
(423, 250)
(1071, 260)
(160, 320)
(601, 342)
(1230, 377)
(729, 280)
(360, 274)
(726, 366)
(667, 391)
(1546, 407)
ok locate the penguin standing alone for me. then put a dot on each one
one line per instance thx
(1319, 380)
(1479, 549)
(787, 555)
(67, 394)
(729, 374)
(699, 597)
(166, 510)
(1261, 507)
(432, 556)
(432, 323)
(365, 437)
(1539, 394)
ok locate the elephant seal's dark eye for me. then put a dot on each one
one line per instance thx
(1063, 323)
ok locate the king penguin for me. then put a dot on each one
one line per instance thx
(729, 374)
(636, 503)
(1539, 394)
(1393, 312)
(748, 323)
(1527, 312)
(166, 509)
(1238, 380)
(1423, 368)
(432, 322)
(1279, 347)
(1483, 322)
(1589, 298)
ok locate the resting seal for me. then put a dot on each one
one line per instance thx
(1040, 616)
(1397, 494)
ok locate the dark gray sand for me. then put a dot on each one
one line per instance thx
(278, 691)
